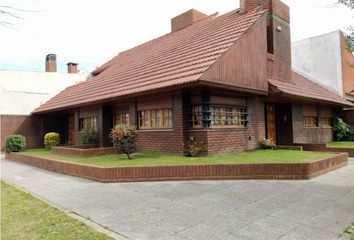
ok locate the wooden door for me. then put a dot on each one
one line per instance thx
(271, 128)
(71, 129)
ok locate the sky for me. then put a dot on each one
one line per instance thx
(90, 32)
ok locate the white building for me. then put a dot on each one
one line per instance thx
(22, 91)
(325, 59)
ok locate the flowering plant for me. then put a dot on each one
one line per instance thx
(124, 139)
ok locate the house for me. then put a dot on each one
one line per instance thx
(226, 80)
(325, 59)
(23, 91)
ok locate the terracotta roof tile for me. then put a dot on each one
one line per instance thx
(176, 58)
(303, 87)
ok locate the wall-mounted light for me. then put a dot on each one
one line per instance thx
(279, 28)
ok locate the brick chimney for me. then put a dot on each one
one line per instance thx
(278, 36)
(186, 19)
(72, 67)
(51, 63)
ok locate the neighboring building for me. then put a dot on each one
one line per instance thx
(21, 92)
(225, 79)
(325, 59)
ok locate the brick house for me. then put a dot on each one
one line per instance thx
(225, 79)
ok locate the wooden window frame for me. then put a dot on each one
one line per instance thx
(121, 118)
(218, 116)
(228, 116)
(326, 122)
(310, 122)
(155, 119)
(87, 122)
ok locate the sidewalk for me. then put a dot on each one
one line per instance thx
(243, 209)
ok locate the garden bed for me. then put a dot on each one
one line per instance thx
(83, 150)
(206, 170)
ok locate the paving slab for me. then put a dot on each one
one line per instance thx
(239, 209)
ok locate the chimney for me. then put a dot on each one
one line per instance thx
(278, 36)
(186, 19)
(51, 63)
(72, 67)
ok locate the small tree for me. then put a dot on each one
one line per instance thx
(124, 139)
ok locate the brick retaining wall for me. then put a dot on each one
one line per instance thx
(322, 147)
(81, 152)
(188, 172)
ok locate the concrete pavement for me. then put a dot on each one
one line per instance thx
(242, 209)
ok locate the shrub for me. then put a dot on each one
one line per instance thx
(195, 147)
(341, 129)
(51, 139)
(124, 139)
(267, 144)
(89, 136)
(15, 143)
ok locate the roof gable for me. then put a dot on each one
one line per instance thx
(245, 64)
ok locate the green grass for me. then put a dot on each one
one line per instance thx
(348, 231)
(341, 144)
(158, 158)
(28, 218)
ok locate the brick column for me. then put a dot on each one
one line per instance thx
(133, 118)
(179, 123)
(76, 134)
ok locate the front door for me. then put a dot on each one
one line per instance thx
(271, 128)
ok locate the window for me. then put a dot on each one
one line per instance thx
(197, 116)
(121, 118)
(222, 116)
(157, 118)
(326, 122)
(310, 113)
(310, 121)
(88, 122)
(217, 116)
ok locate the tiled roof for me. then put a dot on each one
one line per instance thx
(303, 87)
(176, 58)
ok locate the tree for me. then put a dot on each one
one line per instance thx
(124, 139)
(9, 14)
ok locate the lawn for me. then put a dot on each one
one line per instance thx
(26, 217)
(158, 158)
(341, 144)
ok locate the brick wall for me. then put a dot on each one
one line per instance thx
(33, 127)
(166, 140)
(308, 135)
(28, 126)
(225, 140)
(278, 24)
